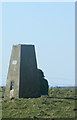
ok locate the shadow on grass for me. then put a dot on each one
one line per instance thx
(63, 98)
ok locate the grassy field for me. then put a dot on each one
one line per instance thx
(59, 104)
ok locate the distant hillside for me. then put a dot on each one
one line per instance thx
(73, 87)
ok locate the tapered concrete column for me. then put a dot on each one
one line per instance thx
(22, 79)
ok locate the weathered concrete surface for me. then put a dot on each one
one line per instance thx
(14, 72)
(23, 72)
(29, 83)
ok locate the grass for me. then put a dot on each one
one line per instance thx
(59, 104)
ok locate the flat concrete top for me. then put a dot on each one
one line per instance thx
(23, 45)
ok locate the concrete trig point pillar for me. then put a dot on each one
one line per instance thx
(22, 79)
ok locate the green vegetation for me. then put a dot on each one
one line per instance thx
(59, 104)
